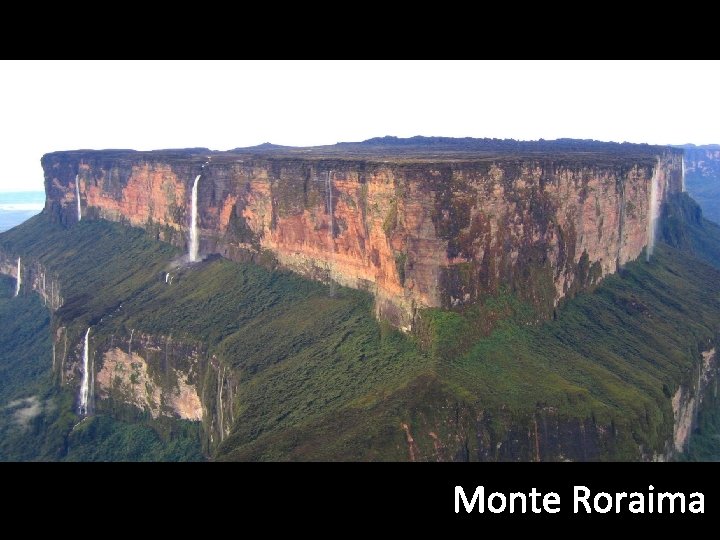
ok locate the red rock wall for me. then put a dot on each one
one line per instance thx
(415, 235)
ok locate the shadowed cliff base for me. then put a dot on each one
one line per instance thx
(283, 371)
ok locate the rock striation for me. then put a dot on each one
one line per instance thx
(418, 224)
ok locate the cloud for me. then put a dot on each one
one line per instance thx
(21, 207)
(25, 410)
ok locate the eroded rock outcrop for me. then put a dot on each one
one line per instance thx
(687, 400)
(35, 277)
(154, 374)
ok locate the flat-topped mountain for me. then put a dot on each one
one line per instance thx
(420, 222)
(421, 299)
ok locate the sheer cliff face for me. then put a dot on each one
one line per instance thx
(415, 234)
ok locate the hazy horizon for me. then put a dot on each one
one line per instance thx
(144, 105)
(17, 206)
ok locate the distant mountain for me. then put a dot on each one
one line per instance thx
(263, 146)
(398, 147)
(702, 177)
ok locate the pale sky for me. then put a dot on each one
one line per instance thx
(58, 105)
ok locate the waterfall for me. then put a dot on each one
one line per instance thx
(85, 385)
(62, 360)
(221, 383)
(18, 281)
(167, 276)
(621, 226)
(77, 196)
(194, 245)
(683, 173)
(328, 186)
(654, 213)
(332, 229)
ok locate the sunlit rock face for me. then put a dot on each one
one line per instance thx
(430, 229)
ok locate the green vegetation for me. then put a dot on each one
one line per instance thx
(704, 444)
(317, 377)
(99, 264)
(102, 438)
(300, 352)
(607, 356)
(683, 226)
(25, 346)
(390, 221)
(37, 421)
(611, 357)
